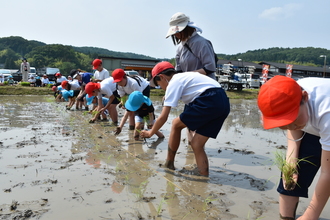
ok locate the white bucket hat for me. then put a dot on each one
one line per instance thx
(180, 21)
(177, 23)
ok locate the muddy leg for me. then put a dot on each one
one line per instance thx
(197, 144)
(113, 113)
(288, 206)
(131, 120)
(174, 142)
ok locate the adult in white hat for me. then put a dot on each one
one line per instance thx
(194, 53)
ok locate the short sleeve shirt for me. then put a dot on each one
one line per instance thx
(107, 87)
(132, 85)
(318, 90)
(186, 87)
(101, 75)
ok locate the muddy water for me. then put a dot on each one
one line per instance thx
(55, 165)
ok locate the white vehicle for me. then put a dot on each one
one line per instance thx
(33, 71)
(252, 80)
(228, 79)
(5, 73)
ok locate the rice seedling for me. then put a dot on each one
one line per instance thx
(159, 209)
(288, 169)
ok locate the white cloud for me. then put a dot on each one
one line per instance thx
(279, 13)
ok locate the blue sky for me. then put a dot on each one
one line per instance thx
(140, 26)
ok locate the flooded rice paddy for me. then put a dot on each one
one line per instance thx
(55, 165)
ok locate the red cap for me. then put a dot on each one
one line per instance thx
(118, 75)
(160, 67)
(64, 83)
(58, 74)
(96, 63)
(90, 87)
(279, 101)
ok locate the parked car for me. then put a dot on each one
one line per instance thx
(5, 73)
(50, 72)
(132, 73)
(33, 71)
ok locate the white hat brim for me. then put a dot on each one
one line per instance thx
(177, 28)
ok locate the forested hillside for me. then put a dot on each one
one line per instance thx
(65, 57)
(308, 56)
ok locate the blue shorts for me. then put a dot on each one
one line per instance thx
(207, 112)
(310, 147)
(146, 91)
(116, 99)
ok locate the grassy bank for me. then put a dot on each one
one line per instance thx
(22, 90)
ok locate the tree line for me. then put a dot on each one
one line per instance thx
(66, 57)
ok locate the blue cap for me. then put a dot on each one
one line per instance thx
(10, 76)
(135, 100)
(66, 94)
(89, 99)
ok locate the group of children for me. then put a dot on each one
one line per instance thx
(301, 107)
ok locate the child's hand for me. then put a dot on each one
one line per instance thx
(92, 120)
(145, 134)
(118, 130)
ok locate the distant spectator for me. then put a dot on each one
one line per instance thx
(100, 73)
(69, 79)
(38, 81)
(10, 80)
(2, 79)
(32, 81)
(44, 80)
(25, 70)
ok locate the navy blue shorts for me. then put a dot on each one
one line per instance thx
(310, 147)
(146, 91)
(207, 112)
(116, 100)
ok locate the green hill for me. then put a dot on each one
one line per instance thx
(66, 57)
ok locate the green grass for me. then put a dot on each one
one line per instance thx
(24, 90)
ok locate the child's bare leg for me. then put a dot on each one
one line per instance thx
(104, 116)
(131, 120)
(138, 127)
(190, 135)
(113, 113)
(197, 144)
(174, 142)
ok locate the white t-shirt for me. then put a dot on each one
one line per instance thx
(101, 75)
(2, 79)
(45, 80)
(132, 85)
(75, 84)
(186, 87)
(318, 90)
(59, 80)
(107, 88)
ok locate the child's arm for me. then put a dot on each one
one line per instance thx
(122, 122)
(112, 97)
(97, 110)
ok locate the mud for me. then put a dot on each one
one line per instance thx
(55, 165)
